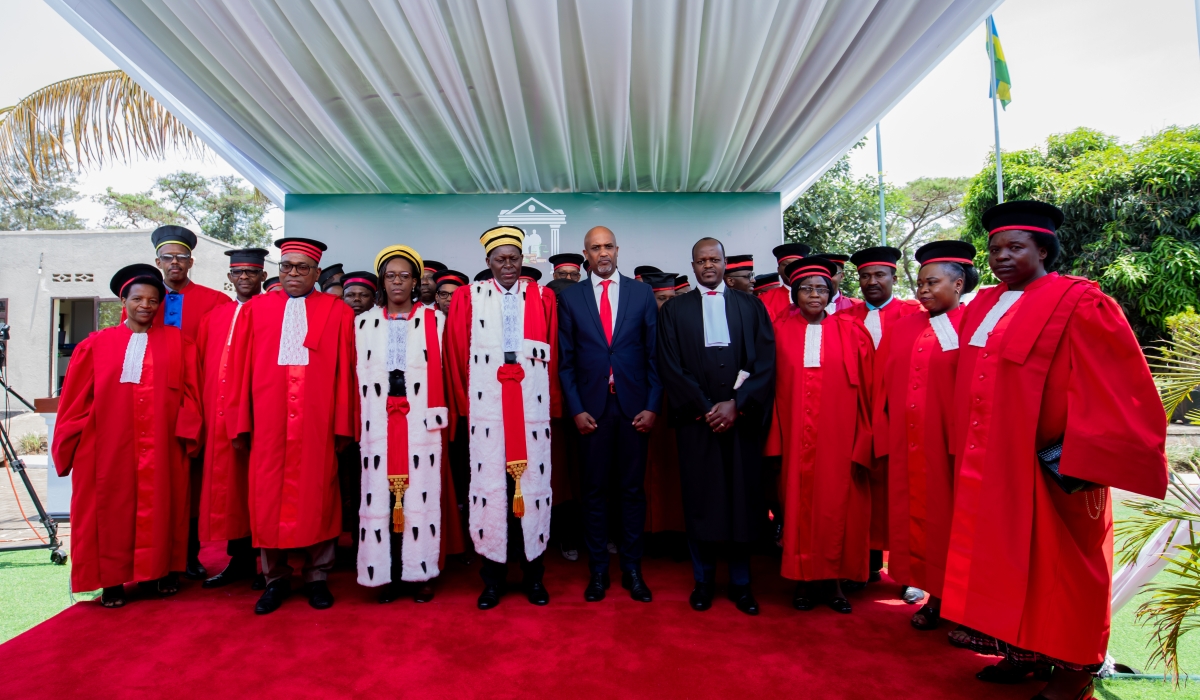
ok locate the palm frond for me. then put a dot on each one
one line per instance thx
(1172, 610)
(86, 121)
(1133, 533)
(1177, 371)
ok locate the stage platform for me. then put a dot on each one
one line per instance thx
(209, 644)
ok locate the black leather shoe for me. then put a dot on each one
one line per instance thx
(238, 570)
(802, 599)
(319, 596)
(633, 582)
(840, 605)
(424, 593)
(537, 593)
(490, 597)
(743, 599)
(195, 571)
(272, 597)
(596, 587)
(388, 593)
(702, 596)
(259, 583)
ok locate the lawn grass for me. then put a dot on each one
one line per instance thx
(31, 590)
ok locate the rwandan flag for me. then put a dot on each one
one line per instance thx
(1001, 87)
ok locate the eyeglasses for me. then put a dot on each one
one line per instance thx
(167, 259)
(815, 291)
(244, 273)
(394, 276)
(445, 295)
(301, 269)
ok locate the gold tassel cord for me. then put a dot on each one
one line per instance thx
(515, 470)
(398, 485)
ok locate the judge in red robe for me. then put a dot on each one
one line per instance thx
(224, 500)
(876, 280)
(185, 306)
(917, 361)
(128, 418)
(822, 429)
(296, 402)
(502, 377)
(779, 300)
(1050, 376)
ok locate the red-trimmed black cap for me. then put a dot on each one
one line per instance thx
(807, 267)
(433, 265)
(138, 273)
(530, 273)
(790, 251)
(362, 278)
(681, 282)
(659, 281)
(880, 255)
(327, 275)
(766, 281)
(641, 270)
(484, 275)
(450, 277)
(1023, 215)
(738, 262)
(567, 259)
(959, 252)
(272, 284)
(838, 258)
(247, 257)
(304, 246)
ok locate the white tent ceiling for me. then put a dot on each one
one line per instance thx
(487, 96)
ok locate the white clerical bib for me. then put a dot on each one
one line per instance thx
(135, 354)
(994, 314)
(812, 345)
(291, 337)
(874, 326)
(944, 330)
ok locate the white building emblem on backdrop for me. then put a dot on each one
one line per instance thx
(528, 216)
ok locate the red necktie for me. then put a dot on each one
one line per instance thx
(606, 311)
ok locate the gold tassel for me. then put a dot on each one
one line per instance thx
(516, 469)
(398, 485)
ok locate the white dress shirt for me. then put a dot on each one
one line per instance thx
(716, 326)
(514, 329)
(614, 290)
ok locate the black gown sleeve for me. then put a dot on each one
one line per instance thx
(679, 383)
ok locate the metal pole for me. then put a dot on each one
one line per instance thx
(882, 208)
(991, 46)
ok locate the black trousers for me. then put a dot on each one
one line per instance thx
(614, 436)
(495, 573)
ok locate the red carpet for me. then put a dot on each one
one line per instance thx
(207, 644)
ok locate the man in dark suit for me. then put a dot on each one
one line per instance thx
(717, 356)
(607, 335)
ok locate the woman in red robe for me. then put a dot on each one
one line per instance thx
(128, 418)
(1054, 404)
(822, 424)
(917, 361)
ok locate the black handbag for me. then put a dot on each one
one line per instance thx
(1049, 459)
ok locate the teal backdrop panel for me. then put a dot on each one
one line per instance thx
(652, 228)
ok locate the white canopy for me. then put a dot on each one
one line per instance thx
(488, 96)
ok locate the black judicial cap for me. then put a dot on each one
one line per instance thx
(172, 233)
(768, 280)
(681, 281)
(272, 283)
(641, 270)
(327, 274)
(450, 277)
(247, 257)
(739, 262)
(838, 258)
(139, 273)
(531, 273)
(434, 265)
(959, 252)
(659, 281)
(361, 278)
(791, 250)
(807, 267)
(1026, 215)
(484, 275)
(565, 259)
(880, 255)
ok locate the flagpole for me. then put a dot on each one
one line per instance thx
(991, 44)
(882, 208)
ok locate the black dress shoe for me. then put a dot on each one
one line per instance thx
(596, 587)
(259, 583)
(702, 596)
(195, 571)
(802, 599)
(236, 571)
(490, 597)
(424, 593)
(272, 597)
(743, 599)
(633, 582)
(388, 593)
(319, 596)
(537, 593)
(840, 604)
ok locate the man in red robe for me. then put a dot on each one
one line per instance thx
(779, 300)
(128, 417)
(917, 361)
(1053, 405)
(185, 306)
(224, 505)
(502, 377)
(822, 428)
(876, 280)
(295, 401)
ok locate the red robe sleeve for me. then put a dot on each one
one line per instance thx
(1116, 430)
(241, 366)
(74, 406)
(189, 423)
(855, 334)
(550, 305)
(455, 348)
(346, 411)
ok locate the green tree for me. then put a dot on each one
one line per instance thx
(234, 213)
(222, 207)
(40, 207)
(927, 209)
(134, 210)
(1132, 214)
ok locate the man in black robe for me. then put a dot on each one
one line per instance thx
(717, 364)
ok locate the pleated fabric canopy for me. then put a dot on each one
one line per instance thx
(489, 96)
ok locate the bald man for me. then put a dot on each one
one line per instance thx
(607, 331)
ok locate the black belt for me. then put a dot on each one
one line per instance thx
(510, 358)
